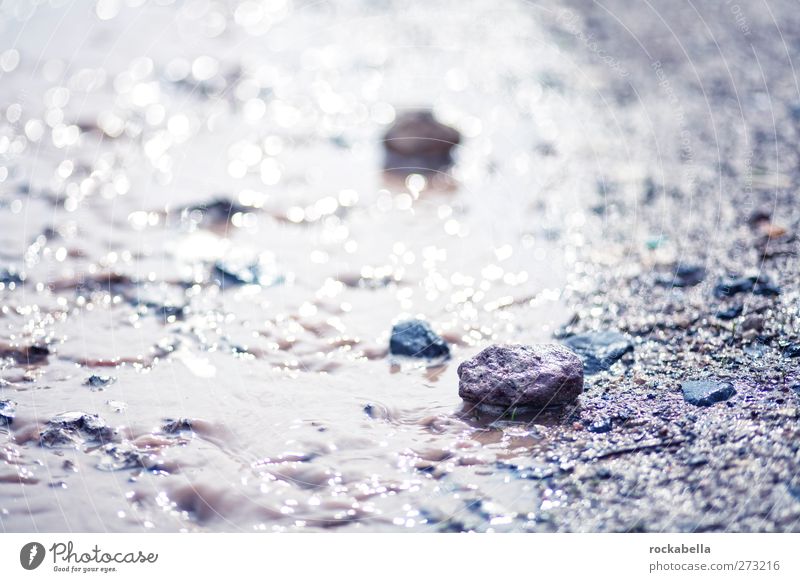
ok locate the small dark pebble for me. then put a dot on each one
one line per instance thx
(731, 312)
(215, 212)
(175, 426)
(755, 284)
(792, 351)
(684, 275)
(8, 410)
(706, 392)
(416, 339)
(697, 461)
(530, 473)
(25, 355)
(603, 473)
(232, 273)
(99, 382)
(600, 425)
(65, 428)
(10, 276)
(418, 143)
(118, 457)
(599, 350)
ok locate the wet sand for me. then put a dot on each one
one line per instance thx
(152, 160)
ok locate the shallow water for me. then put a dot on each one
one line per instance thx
(117, 128)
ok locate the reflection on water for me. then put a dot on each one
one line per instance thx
(192, 202)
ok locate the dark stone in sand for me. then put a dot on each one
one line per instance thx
(755, 284)
(67, 427)
(216, 212)
(731, 312)
(684, 275)
(418, 143)
(599, 350)
(99, 382)
(416, 339)
(25, 355)
(536, 376)
(234, 272)
(8, 410)
(792, 351)
(175, 426)
(706, 392)
(600, 425)
(9, 276)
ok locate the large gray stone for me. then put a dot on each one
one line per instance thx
(535, 376)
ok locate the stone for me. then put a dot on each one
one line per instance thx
(177, 425)
(600, 425)
(706, 392)
(96, 382)
(243, 269)
(69, 427)
(8, 410)
(10, 276)
(792, 351)
(416, 339)
(533, 376)
(599, 350)
(731, 312)
(417, 142)
(755, 284)
(684, 275)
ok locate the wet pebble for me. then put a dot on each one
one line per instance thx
(536, 376)
(118, 457)
(599, 350)
(418, 142)
(415, 338)
(215, 212)
(67, 427)
(600, 425)
(10, 276)
(234, 271)
(96, 382)
(731, 312)
(792, 350)
(684, 275)
(176, 426)
(755, 284)
(706, 392)
(25, 355)
(8, 409)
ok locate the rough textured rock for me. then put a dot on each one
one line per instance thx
(417, 142)
(599, 350)
(416, 339)
(536, 376)
(8, 409)
(68, 428)
(755, 284)
(706, 392)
